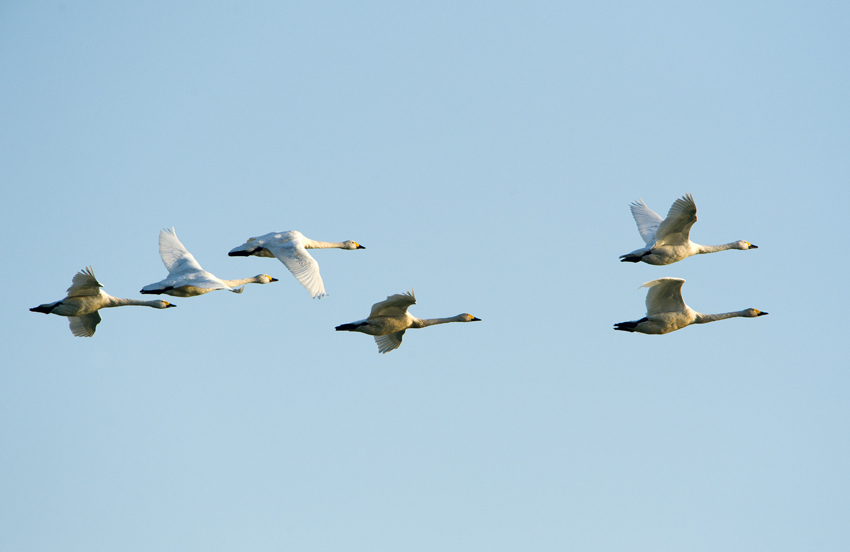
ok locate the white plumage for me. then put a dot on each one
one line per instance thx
(83, 301)
(667, 312)
(290, 248)
(668, 240)
(186, 277)
(389, 319)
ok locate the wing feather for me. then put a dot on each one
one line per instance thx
(389, 342)
(84, 284)
(394, 305)
(84, 326)
(646, 219)
(175, 256)
(664, 295)
(295, 257)
(676, 228)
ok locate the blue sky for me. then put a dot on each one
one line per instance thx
(485, 154)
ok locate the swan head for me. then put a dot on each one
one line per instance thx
(349, 244)
(745, 245)
(265, 279)
(467, 318)
(752, 313)
(162, 304)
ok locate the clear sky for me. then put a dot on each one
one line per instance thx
(485, 153)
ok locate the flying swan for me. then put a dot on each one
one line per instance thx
(290, 248)
(667, 240)
(389, 320)
(84, 299)
(667, 312)
(186, 278)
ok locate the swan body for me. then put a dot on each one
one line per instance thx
(667, 312)
(186, 278)
(667, 241)
(290, 248)
(84, 299)
(389, 319)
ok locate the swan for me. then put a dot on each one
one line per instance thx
(84, 299)
(667, 240)
(186, 278)
(389, 320)
(290, 248)
(667, 312)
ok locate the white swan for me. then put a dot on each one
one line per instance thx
(84, 299)
(666, 311)
(186, 278)
(667, 240)
(290, 248)
(389, 319)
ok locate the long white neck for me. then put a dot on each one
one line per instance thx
(423, 322)
(714, 248)
(705, 318)
(242, 281)
(313, 244)
(119, 302)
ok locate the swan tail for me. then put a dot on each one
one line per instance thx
(349, 327)
(47, 308)
(629, 326)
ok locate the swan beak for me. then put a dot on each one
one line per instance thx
(274, 280)
(360, 246)
(753, 246)
(169, 305)
(475, 319)
(762, 313)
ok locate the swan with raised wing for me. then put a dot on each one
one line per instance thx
(84, 299)
(389, 320)
(668, 240)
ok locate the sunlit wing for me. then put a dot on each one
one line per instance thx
(84, 326)
(84, 284)
(664, 295)
(676, 228)
(647, 221)
(389, 342)
(304, 267)
(175, 257)
(395, 305)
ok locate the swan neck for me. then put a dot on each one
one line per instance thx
(715, 248)
(705, 318)
(313, 244)
(240, 281)
(423, 322)
(120, 302)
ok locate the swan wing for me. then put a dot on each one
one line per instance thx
(676, 228)
(174, 255)
(304, 267)
(646, 219)
(395, 305)
(84, 284)
(389, 342)
(84, 326)
(664, 295)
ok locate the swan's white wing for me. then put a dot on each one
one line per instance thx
(647, 221)
(389, 342)
(84, 284)
(84, 326)
(395, 305)
(175, 257)
(304, 267)
(676, 228)
(664, 295)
